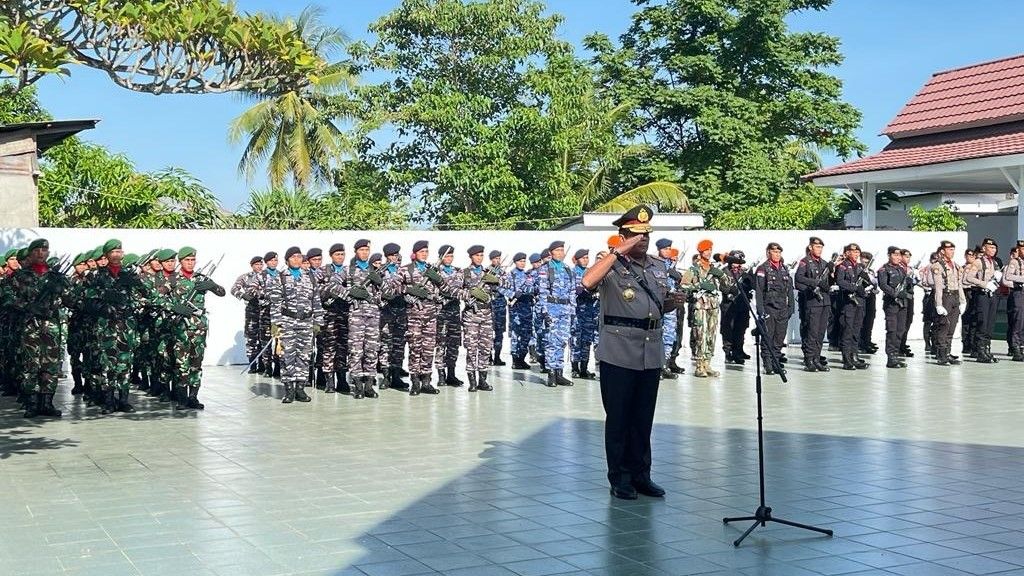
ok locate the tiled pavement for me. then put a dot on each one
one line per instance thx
(919, 472)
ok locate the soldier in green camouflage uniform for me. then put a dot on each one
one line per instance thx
(38, 293)
(8, 334)
(77, 336)
(190, 327)
(160, 284)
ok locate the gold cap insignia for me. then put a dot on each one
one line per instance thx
(643, 216)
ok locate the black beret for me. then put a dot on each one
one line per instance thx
(866, 255)
(494, 254)
(336, 247)
(419, 245)
(1020, 243)
(475, 249)
(892, 249)
(375, 257)
(445, 249)
(773, 246)
(534, 258)
(815, 241)
(989, 242)
(255, 260)
(580, 253)
(851, 246)
(361, 243)
(663, 243)
(391, 249)
(269, 256)
(946, 244)
(905, 252)
(545, 253)
(313, 253)
(637, 220)
(292, 252)
(519, 256)
(555, 245)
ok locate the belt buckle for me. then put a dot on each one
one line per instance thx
(651, 324)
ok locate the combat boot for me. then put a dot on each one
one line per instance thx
(906, 352)
(560, 378)
(497, 361)
(33, 406)
(330, 384)
(810, 365)
(276, 370)
(109, 405)
(396, 379)
(533, 353)
(988, 351)
(675, 367)
(519, 363)
(144, 381)
(427, 388)
(710, 372)
(300, 394)
(180, 397)
(667, 374)
(368, 391)
(48, 409)
(1018, 354)
(472, 381)
(193, 399)
(701, 371)
(848, 361)
(76, 375)
(551, 383)
(894, 362)
(341, 381)
(321, 379)
(441, 376)
(543, 365)
(585, 372)
(575, 372)
(254, 366)
(289, 394)
(821, 366)
(122, 402)
(414, 388)
(356, 386)
(403, 372)
(483, 386)
(451, 380)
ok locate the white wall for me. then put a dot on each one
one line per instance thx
(226, 342)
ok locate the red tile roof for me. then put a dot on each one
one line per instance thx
(979, 95)
(980, 142)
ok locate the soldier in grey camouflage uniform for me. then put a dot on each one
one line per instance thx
(449, 324)
(361, 287)
(315, 260)
(246, 288)
(479, 285)
(334, 336)
(269, 360)
(394, 317)
(296, 313)
(421, 284)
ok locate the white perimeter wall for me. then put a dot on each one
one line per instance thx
(225, 345)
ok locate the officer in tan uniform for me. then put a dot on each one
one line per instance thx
(949, 296)
(633, 287)
(985, 274)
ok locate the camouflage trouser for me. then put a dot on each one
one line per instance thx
(556, 334)
(704, 331)
(584, 329)
(363, 339)
(40, 355)
(479, 338)
(117, 345)
(393, 321)
(449, 334)
(252, 329)
(422, 337)
(189, 348)
(92, 359)
(76, 341)
(499, 311)
(161, 344)
(297, 342)
(334, 341)
(537, 338)
(668, 333)
(521, 320)
(264, 336)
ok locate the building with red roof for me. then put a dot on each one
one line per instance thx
(963, 132)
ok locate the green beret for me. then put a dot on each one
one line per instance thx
(112, 244)
(22, 253)
(52, 261)
(10, 254)
(146, 257)
(38, 243)
(185, 252)
(80, 259)
(130, 260)
(94, 254)
(165, 255)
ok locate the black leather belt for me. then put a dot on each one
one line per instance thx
(641, 323)
(553, 300)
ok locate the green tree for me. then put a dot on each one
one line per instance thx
(942, 218)
(806, 208)
(722, 88)
(173, 46)
(293, 132)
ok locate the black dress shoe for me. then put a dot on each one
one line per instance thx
(624, 491)
(649, 488)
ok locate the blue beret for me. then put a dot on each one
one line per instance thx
(663, 243)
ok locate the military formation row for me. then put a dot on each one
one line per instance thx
(122, 318)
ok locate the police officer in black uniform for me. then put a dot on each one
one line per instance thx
(892, 281)
(735, 310)
(854, 287)
(773, 287)
(813, 278)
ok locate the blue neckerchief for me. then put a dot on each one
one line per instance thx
(362, 264)
(421, 266)
(558, 266)
(392, 267)
(447, 268)
(296, 272)
(338, 268)
(272, 272)
(580, 270)
(477, 268)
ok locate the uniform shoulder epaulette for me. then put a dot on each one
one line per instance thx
(656, 258)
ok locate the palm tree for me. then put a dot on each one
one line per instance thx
(294, 133)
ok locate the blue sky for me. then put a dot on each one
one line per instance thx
(891, 48)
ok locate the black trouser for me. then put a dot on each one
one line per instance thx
(850, 326)
(1015, 318)
(927, 317)
(908, 319)
(895, 327)
(867, 325)
(968, 334)
(629, 397)
(735, 321)
(776, 325)
(835, 332)
(816, 321)
(985, 305)
(943, 327)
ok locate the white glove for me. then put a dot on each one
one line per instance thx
(941, 311)
(833, 288)
(997, 276)
(869, 290)
(991, 286)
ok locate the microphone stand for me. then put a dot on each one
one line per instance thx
(763, 514)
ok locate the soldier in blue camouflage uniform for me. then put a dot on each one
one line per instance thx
(39, 292)
(557, 291)
(449, 324)
(246, 289)
(520, 287)
(479, 285)
(584, 327)
(394, 317)
(296, 313)
(499, 307)
(537, 338)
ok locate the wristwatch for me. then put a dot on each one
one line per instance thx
(615, 252)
